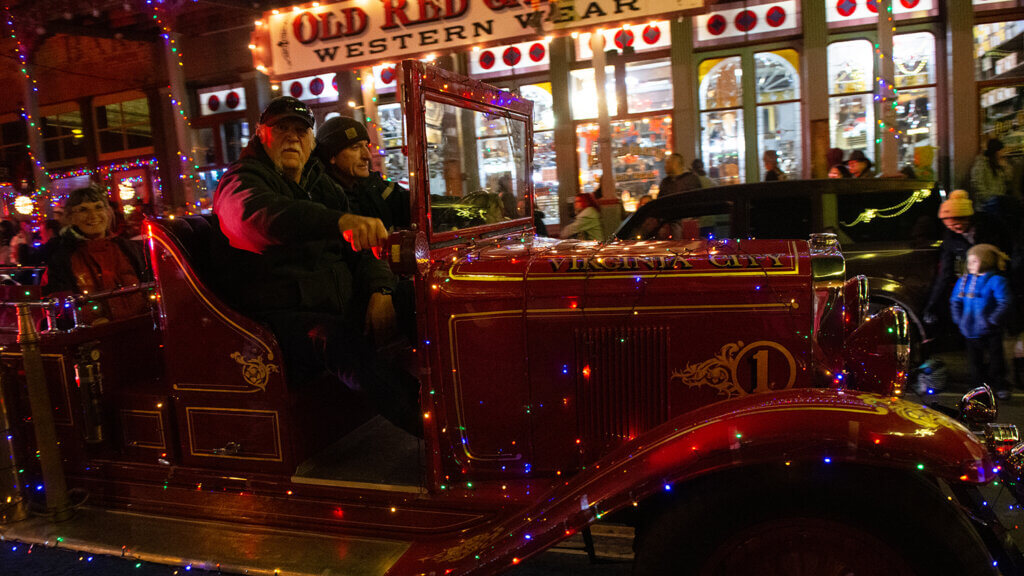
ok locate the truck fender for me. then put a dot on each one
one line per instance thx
(791, 426)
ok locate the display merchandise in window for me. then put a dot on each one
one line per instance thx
(638, 151)
(999, 50)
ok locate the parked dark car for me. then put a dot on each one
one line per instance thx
(888, 227)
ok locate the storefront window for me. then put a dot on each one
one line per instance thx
(850, 67)
(204, 147)
(236, 137)
(638, 149)
(395, 163)
(914, 60)
(851, 115)
(779, 121)
(999, 58)
(852, 123)
(649, 86)
(722, 145)
(124, 125)
(1002, 116)
(62, 136)
(584, 95)
(998, 50)
(721, 83)
(545, 172)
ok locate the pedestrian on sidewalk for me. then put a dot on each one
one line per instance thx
(981, 305)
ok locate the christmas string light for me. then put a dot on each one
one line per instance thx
(886, 92)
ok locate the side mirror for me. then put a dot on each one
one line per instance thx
(978, 406)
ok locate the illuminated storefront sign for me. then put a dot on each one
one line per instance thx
(351, 33)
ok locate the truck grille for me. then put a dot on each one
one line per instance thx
(622, 381)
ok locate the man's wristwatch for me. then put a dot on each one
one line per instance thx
(384, 290)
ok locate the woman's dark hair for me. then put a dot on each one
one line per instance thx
(588, 200)
(82, 195)
(992, 153)
(843, 170)
(7, 230)
(698, 167)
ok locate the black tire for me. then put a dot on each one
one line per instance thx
(806, 520)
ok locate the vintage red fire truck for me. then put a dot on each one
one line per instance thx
(731, 399)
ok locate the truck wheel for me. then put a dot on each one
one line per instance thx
(874, 524)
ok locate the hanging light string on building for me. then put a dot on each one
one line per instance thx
(185, 160)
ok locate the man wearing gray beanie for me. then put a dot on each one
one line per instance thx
(343, 146)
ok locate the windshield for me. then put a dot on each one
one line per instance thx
(476, 164)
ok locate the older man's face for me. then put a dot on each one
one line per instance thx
(289, 142)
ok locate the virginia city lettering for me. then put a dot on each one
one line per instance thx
(664, 262)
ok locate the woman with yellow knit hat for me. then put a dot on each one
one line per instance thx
(964, 229)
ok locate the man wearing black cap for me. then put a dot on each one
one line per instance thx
(343, 148)
(303, 264)
(860, 165)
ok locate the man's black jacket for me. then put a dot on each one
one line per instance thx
(291, 255)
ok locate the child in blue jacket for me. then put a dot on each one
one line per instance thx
(981, 304)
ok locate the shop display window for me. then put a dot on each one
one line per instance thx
(638, 152)
(583, 94)
(63, 138)
(850, 67)
(236, 137)
(649, 86)
(778, 109)
(999, 50)
(914, 67)
(545, 169)
(721, 83)
(722, 145)
(395, 164)
(124, 125)
(1002, 116)
(473, 183)
(851, 102)
(851, 120)
(204, 147)
(913, 58)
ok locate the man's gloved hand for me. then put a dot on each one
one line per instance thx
(362, 232)
(380, 318)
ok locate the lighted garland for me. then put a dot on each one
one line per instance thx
(870, 214)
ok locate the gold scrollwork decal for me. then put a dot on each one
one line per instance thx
(255, 372)
(920, 415)
(722, 372)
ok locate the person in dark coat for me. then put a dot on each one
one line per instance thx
(964, 229)
(88, 259)
(303, 264)
(678, 178)
(860, 165)
(49, 235)
(343, 146)
(981, 306)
